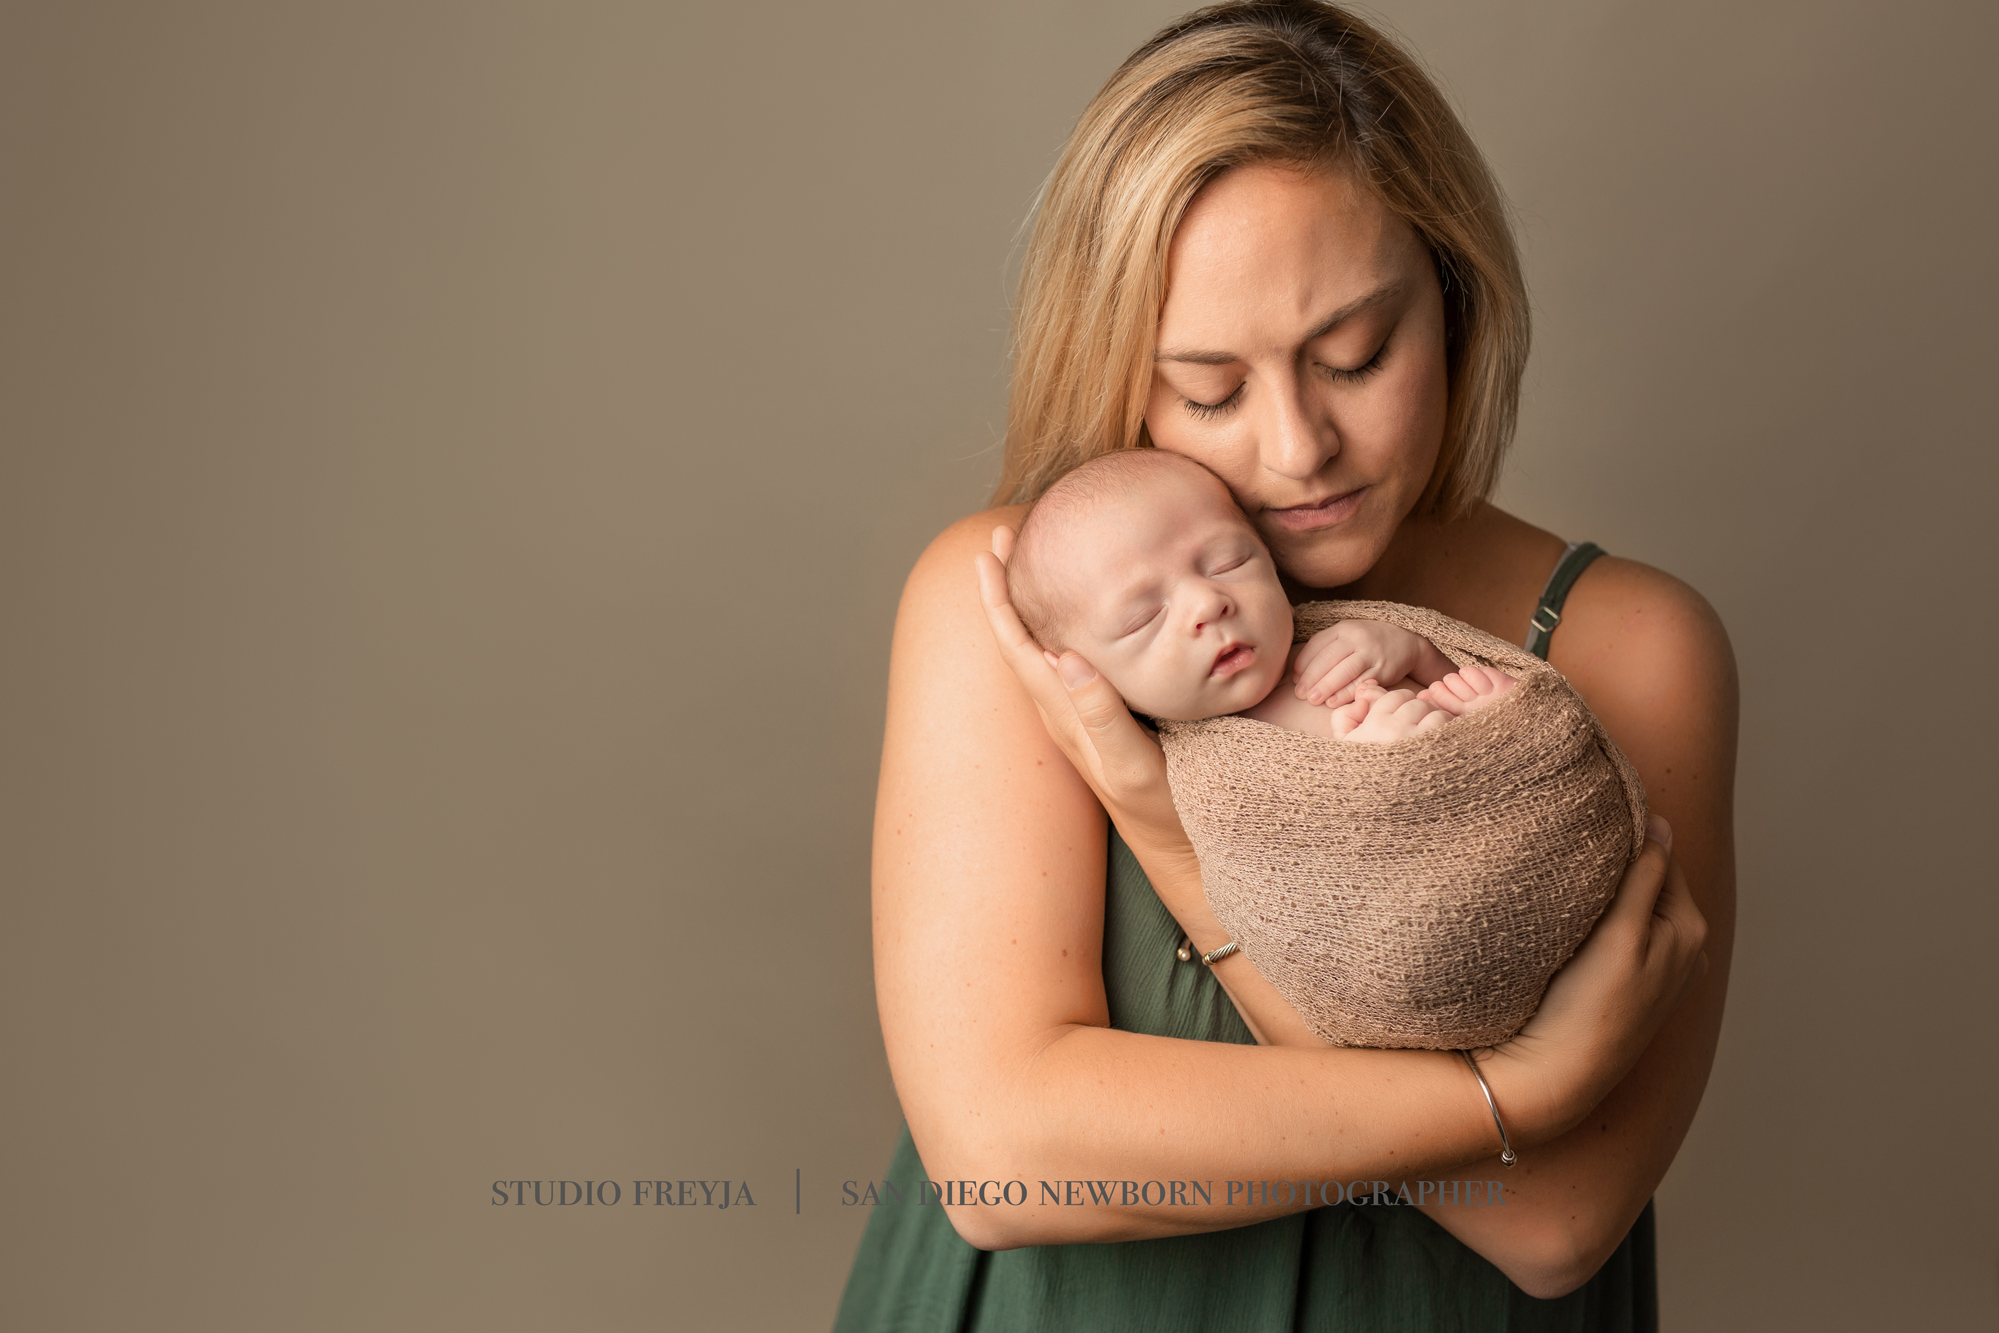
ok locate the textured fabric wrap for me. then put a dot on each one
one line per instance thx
(1418, 894)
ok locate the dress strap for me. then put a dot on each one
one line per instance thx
(1548, 614)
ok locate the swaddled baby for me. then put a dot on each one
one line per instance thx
(1407, 840)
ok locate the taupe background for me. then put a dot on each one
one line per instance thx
(459, 464)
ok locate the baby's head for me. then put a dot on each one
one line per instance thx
(1140, 561)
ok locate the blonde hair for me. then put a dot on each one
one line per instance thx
(1291, 81)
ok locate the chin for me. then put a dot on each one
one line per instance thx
(1330, 560)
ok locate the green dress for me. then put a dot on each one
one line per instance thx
(1364, 1269)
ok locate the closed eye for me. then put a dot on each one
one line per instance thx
(1208, 411)
(1137, 625)
(1354, 376)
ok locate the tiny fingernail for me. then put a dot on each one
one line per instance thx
(1075, 671)
(1659, 831)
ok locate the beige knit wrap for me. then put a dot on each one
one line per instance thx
(1422, 893)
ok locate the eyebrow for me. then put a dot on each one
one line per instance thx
(1331, 322)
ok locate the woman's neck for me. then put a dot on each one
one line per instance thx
(1483, 569)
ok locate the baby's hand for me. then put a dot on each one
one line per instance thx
(1335, 660)
(1468, 689)
(1377, 716)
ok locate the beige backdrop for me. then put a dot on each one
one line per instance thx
(459, 464)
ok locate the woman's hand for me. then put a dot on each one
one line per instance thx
(1125, 768)
(1088, 719)
(1607, 1002)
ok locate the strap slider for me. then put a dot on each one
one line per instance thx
(1554, 619)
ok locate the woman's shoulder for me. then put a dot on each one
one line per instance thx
(942, 584)
(1639, 632)
(1622, 618)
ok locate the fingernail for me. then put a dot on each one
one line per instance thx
(1659, 831)
(1076, 672)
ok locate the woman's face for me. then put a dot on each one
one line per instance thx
(1301, 359)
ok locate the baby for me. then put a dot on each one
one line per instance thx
(1141, 562)
(1416, 894)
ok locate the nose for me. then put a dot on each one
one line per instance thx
(1297, 436)
(1211, 607)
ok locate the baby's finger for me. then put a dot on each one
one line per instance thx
(1479, 678)
(1335, 684)
(1365, 691)
(1347, 718)
(1414, 709)
(1366, 685)
(1458, 687)
(1315, 658)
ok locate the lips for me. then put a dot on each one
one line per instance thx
(1319, 514)
(1232, 659)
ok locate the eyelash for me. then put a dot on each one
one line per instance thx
(1142, 624)
(1209, 411)
(1358, 373)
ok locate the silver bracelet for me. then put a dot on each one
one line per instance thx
(1506, 1157)
(1185, 953)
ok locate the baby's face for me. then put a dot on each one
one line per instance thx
(1172, 597)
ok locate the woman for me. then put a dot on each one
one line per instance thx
(1268, 246)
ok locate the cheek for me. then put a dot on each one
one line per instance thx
(1399, 423)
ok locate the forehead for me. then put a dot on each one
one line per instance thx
(1170, 508)
(1266, 249)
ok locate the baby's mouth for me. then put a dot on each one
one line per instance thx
(1233, 659)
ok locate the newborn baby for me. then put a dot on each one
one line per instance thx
(1409, 840)
(1142, 563)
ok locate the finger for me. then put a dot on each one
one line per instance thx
(1675, 906)
(1387, 702)
(1124, 759)
(1679, 933)
(1335, 685)
(1014, 640)
(1314, 649)
(1638, 892)
(1003, 538)
(1028, 660)
(1315, 667)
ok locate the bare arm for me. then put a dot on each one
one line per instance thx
(989, 868)
(1654, 663)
